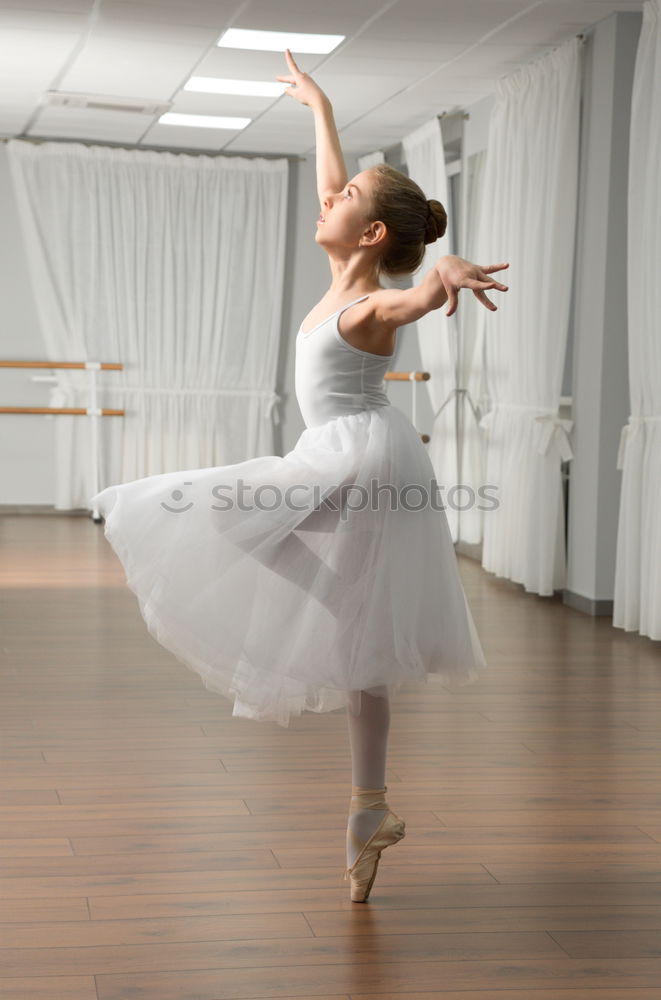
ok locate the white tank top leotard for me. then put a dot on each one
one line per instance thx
(332, 377)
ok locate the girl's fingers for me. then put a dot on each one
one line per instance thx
(491, 284)
(477, 289)
(476, 283)
(482, 297)
(290, 60)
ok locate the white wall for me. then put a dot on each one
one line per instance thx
(600, 362)
(26, 452)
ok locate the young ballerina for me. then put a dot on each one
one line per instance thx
(326, 578)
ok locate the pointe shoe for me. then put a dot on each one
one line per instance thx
(390, 830)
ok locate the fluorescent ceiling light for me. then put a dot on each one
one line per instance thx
(253, 88)
(203, 121)
(278, 41)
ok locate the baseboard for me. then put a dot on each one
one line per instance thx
(588, 605)
(471, 549)
(40, 508)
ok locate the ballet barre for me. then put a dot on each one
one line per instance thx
(92, 411)
(413, 378)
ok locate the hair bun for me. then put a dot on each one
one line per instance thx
(437, 221)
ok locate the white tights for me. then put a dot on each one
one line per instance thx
(368, 735)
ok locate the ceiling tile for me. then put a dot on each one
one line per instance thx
(29, 60)
(49, 6)
(210, 13)
(342, 17)
(138, 69)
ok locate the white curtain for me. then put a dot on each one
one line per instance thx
(173, 265)
(637, 603)
(437, 333)
(529, 219)
(471, 367)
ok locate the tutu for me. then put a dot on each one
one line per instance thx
(292, 583)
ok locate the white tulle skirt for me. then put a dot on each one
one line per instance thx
(294, 583)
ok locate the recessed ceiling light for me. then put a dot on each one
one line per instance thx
(253, 88)
(278, 41)
(203, 121)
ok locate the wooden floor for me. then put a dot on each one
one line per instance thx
(152, 846)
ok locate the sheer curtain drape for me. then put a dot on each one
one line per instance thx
(637, 603)
(528, 219)
(437, 333)
(173, 265)
(472, 386)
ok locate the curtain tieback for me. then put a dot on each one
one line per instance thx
(486, 421)
(274, 401)
(554, 428)
(630, 429)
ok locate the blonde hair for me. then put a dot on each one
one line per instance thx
(412, 220)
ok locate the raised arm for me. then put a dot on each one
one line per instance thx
(392, 307)
(331, 169)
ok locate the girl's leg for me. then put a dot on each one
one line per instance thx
(292, 559)
(368, 735)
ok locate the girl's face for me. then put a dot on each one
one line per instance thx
(344, 216)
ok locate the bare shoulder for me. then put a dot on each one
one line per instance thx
(363, 327)
(376, 319)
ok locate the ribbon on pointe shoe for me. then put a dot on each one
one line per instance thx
(389, 831)
(365, 798)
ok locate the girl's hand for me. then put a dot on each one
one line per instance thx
(458, 273)
(306, 90)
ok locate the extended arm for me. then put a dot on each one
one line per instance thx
(395, 307)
